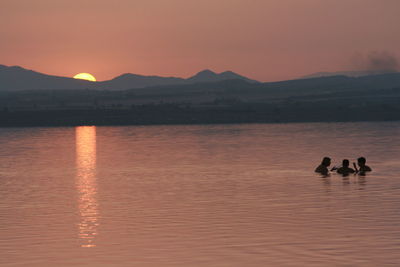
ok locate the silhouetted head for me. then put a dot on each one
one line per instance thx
(361, 161)
(346, 163)
(326, 161)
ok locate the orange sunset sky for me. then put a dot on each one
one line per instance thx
(266, 40)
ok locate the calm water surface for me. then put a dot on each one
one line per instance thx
(221, 195)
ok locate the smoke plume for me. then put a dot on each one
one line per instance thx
(377, 61)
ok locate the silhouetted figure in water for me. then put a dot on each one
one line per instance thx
(323, 167)
(345, 169)
(361, 163)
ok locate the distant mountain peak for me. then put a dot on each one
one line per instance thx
(211, 76)
(228, 72)
(12, 67)
(126, 76)
(17, 68)
(205, 74)
(206, 71)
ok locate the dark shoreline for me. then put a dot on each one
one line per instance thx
(186, 116)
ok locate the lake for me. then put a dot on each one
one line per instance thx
(205, 195)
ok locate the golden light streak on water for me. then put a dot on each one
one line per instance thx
(87, 185)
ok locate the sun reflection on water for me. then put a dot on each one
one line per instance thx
(86, 184)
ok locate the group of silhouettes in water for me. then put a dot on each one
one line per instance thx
(344, 170)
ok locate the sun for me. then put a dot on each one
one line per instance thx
(85, 76)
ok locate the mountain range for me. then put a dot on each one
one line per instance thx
(207, 97)
(16, 78)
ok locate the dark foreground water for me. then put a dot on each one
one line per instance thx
(221, 195)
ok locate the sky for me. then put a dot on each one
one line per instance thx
(267, 40)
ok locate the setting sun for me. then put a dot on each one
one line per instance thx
(85, 76)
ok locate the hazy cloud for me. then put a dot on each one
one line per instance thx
(382, 61)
